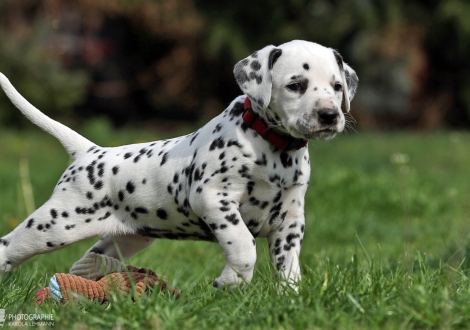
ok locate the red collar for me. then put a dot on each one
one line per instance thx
(254, 121)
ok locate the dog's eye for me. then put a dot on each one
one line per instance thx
(295, 87)
(338, 87)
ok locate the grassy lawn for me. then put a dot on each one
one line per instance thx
(387, 236)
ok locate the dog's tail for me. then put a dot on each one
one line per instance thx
(74, 143)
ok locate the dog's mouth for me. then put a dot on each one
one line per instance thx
(310, 132)
(325, 134)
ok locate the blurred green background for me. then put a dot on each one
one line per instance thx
(146, 62)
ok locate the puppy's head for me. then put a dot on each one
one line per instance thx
(299, 87)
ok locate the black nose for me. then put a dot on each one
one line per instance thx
(327, 116)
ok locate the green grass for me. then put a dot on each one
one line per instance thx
(386, 243)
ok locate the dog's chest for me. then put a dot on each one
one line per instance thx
(278, 185)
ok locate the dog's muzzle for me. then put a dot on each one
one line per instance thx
(319, 125)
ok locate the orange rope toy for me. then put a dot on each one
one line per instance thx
(88, 279)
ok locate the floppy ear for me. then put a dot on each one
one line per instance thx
(349, 80)
(254, 74)
(352, 80)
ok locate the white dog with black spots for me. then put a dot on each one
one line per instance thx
(241, 176)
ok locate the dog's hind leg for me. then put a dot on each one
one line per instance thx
(53, 226)
(124, 246)
(118, 247)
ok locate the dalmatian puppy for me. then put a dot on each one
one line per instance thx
(243, 175)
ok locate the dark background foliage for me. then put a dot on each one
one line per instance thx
(145, 61)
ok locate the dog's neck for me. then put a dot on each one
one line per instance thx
(254, 118)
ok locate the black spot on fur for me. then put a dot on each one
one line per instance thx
(170, 189)
(30, 223)
(100, 169)
(107, 215)
(217, 143)
(142, 210)
(275, 211)
(193, 138)
(278, 196)
(65, 214)
(286, 160)
(232, 218)
(235, 143)
(130, 187)
(306, 66)
(198, 175)
(280, 263)
(244, 172)
(254, 201)
(53, 213)
(162, 214)
(237, 110)
(127, 155)
(91, 177)
(255, 65)
(217, 129)
(164, 158)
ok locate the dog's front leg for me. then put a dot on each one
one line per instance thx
(220, 211)
(284, 247)
(238, 246)
(239, 249)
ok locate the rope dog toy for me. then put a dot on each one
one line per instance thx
(87, 278)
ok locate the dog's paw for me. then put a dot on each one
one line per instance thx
(235, 278)
(233, 281)
(94, 266)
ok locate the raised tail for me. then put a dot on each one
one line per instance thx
(74, 143)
